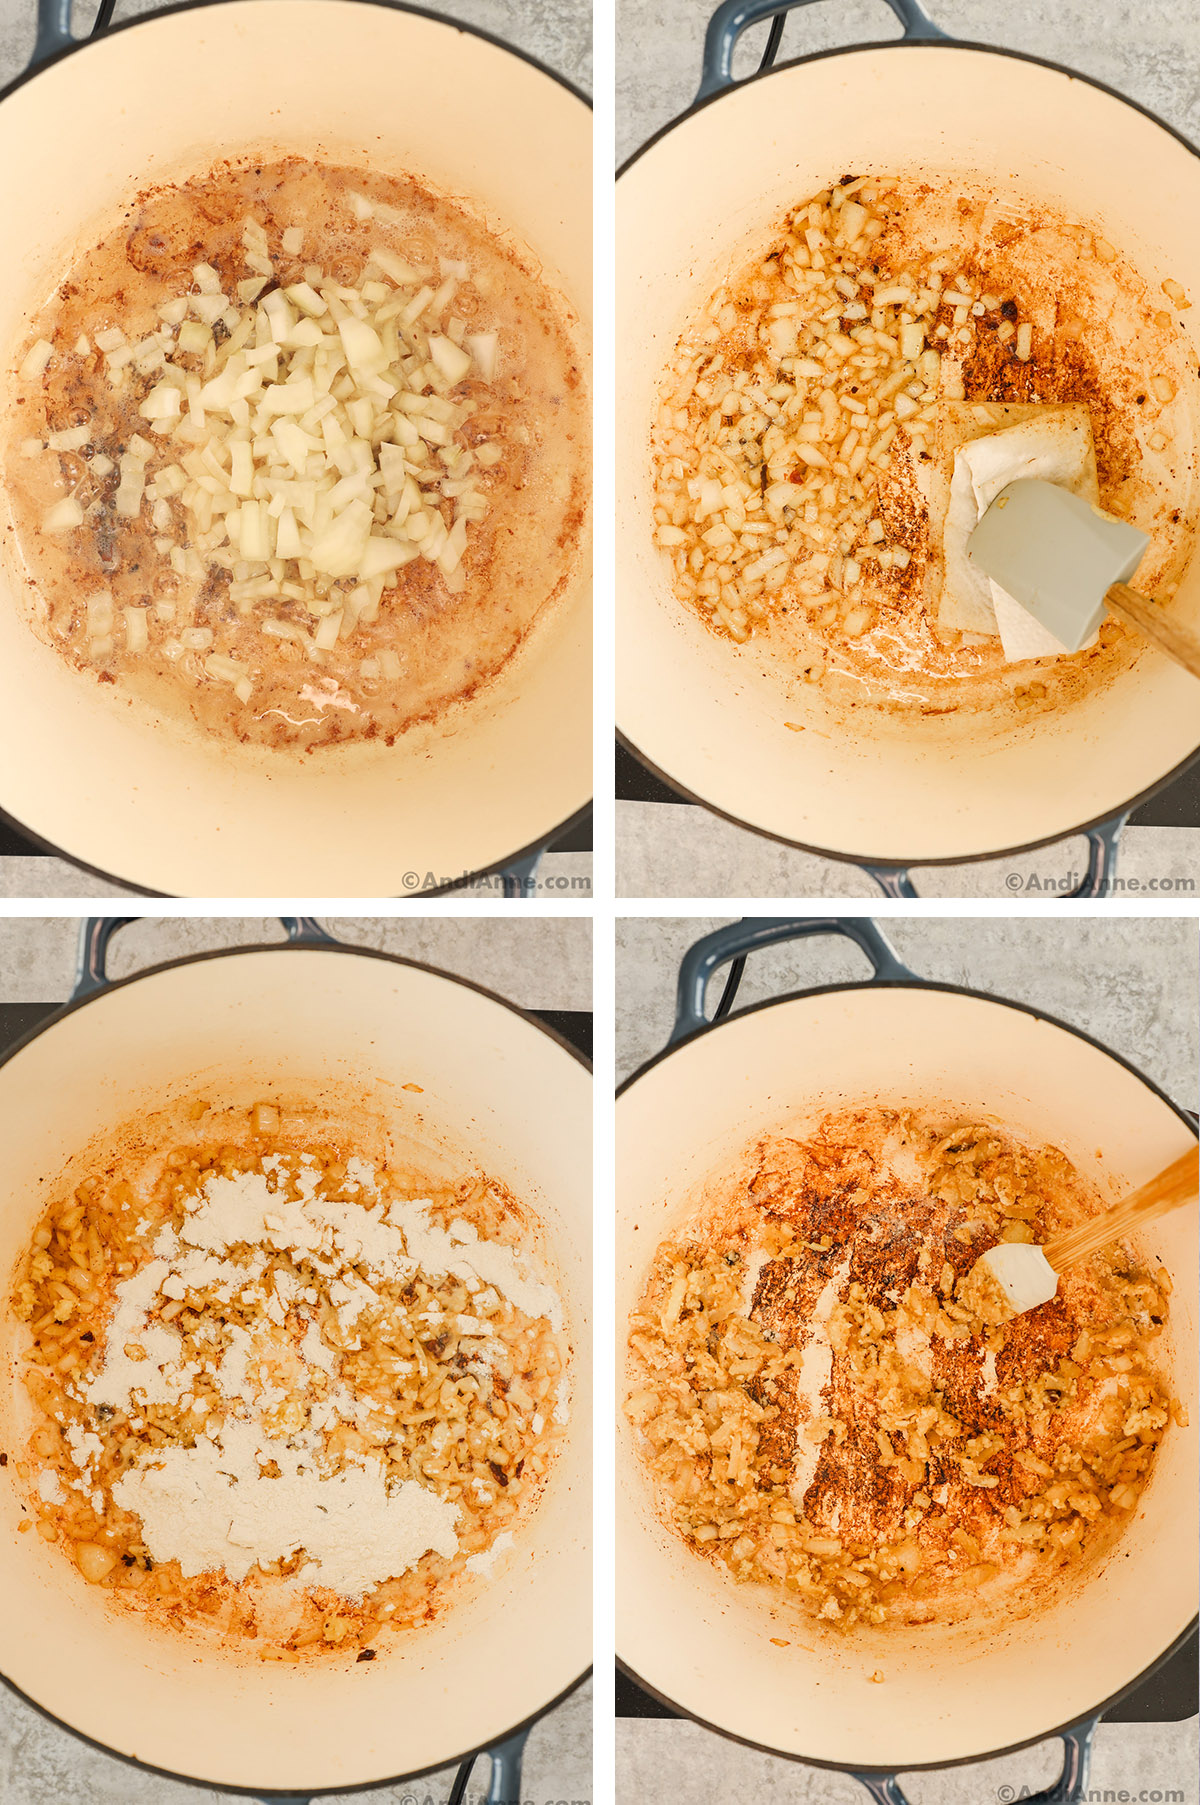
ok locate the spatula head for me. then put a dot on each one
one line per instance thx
(1055, 554)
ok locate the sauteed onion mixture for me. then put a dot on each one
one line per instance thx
(299, 450)
(798, 450)
(823, 1414)
(280, 1391)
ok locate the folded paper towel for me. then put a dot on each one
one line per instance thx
(1054, 443)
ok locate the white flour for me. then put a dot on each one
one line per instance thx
(212, 1506)
(816, 1365)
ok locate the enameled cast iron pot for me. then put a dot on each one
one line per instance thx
(376, 85)
(695, 201)
(517, 1101)
(684, 1630)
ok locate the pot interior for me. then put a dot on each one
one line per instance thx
(356, 84)
(711, 715)
(948, 1695)
(496, 1091)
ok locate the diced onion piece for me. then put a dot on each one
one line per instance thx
(360, 206)
(208, 307)
(338, 550)
(306, 298)
(293, 241)
(254, 531)
(241, 477)
(128, 500)
(395, 268)
(36, 359)
(243, 689)
(73, 439)
(100, 614)
(137, 629)
(326, 635)
(111, 339)
(63, 516)
(1024, 345)
(362, 345)
(382, 556)
(484, 348)
(164, 402)
(194, 336)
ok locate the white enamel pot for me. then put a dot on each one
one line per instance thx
(710, 717)
(688, 1633)
(495, 1084)
(376, 85)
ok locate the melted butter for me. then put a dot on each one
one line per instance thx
(519, 559)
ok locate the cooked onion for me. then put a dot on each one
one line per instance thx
(310, 452)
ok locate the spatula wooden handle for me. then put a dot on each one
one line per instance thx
(1154, 623)
(1166, 1192)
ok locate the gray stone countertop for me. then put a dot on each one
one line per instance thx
(539, 964)
(1129, 983)
(1151, 53)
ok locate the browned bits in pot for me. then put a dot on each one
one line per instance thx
(824, 1412)
(800, 429)
(451, 1386)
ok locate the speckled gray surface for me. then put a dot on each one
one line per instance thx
(1152, 54)
(1131, 984)
(556, 32)
(560, 876)
(676, 849)
(539, 964)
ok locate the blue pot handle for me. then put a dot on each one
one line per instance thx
(504, 1785)
(1069, 1789)
(1104, 843)
(91, 970)
(519, 878)
(742, 937)
(736, 16)
(54, 33)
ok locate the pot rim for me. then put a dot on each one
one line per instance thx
(70, 1008)
(1054, 1021)
(400, 6)
(535, 848)
(860, 859)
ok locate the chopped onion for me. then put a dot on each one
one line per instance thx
(164, 402)
(450, 359)
(36, 360)
(63, 516)
(484, 348)
(137, 630)
(73, 439)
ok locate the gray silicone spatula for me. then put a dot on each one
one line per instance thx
(1027, 1275)
(1065, 562)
